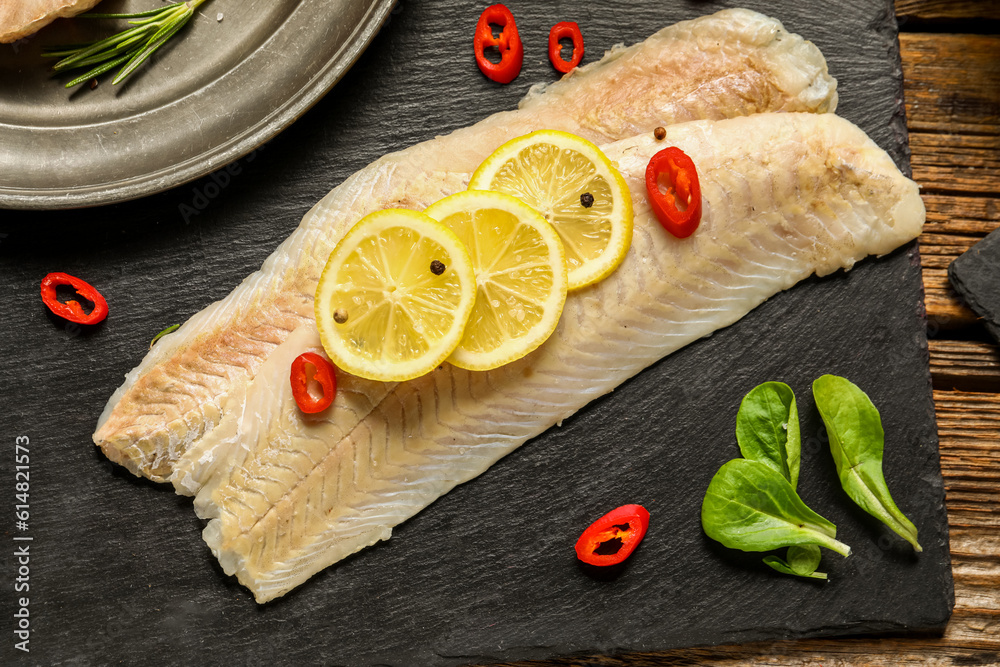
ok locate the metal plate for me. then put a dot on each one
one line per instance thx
(216, 93)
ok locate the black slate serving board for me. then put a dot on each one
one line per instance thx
(976, 277)
(118, 571)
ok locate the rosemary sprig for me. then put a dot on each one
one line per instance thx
(150, 30)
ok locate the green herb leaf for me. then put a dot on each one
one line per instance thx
(857, 442)
(802, 562)
(148, 12)
(150, 30)
(154, 43)
(804, 559)
(172, 328)
(767, 429)
(751, 507)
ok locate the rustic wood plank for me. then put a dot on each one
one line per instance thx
(952, 88)
(964, 365)
(951, 82)
(946, 311)
(954, 224)
(950, 245)
(956, 163)
(948, 9)
(969, 435)
(973, 216)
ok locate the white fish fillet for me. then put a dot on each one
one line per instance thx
(784, 196)
(728, 64)
(20, 18)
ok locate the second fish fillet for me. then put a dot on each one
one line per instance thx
(784, 196)
(732, 63)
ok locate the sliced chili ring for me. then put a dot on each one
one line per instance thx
(683, 187)
(612, 538)
(323, 372)
(562, 31)
(508, 43)
(72, 310)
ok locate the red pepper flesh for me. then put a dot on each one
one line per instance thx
(562, 31)
(324, 374)
(683, 187)
(72, 310)
(509, 44)
(612, 538)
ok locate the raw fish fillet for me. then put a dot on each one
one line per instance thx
(784, 196)
(20, 18)
(732, 63)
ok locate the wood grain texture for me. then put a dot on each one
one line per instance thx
(965, 365)
(950, 82)
(948, 9)
(956, 163)
(952, 88)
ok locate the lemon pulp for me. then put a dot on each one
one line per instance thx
(521, 276)
(395, 295)
(574, 186)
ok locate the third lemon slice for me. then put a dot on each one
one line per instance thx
(576, 188)
(520, 276)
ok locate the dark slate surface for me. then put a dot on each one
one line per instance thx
(976, 277)
(119, 574)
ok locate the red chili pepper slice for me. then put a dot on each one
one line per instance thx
(562, 31)
(612, 538)
(509, 44)
(683, 187)
(72, 310)
(324, 373)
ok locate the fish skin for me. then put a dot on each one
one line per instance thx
(732, 63)
(20, 18)
(784, 196)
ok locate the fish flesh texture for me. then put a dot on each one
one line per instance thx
(784, 196)
(20, 18)
(729, 64)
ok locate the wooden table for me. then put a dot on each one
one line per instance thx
(951, 76)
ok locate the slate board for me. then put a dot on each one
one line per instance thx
(118, 571)
(976, 277)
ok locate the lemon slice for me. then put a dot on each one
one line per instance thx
(520, 276)
(394, 298)
(576, 188)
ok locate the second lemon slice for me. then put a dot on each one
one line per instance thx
(395, 296)
(576, 188)
(520, 271)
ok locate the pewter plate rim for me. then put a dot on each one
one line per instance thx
(317, 77)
